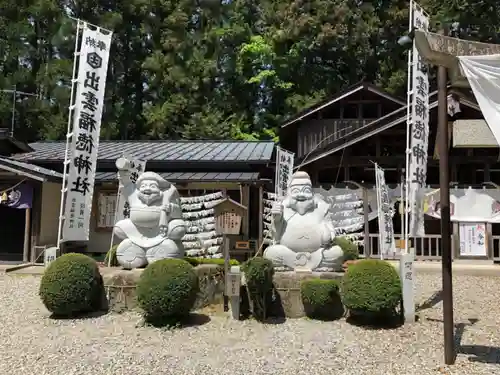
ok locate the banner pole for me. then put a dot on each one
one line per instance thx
(69, 135)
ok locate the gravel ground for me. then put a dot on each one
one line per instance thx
(32, 343)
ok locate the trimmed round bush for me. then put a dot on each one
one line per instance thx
(72, 285)
(321, 299)
(350, 249)
(259, 274)
(167, 291)
(371, 288)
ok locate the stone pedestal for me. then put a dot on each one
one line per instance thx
(120, 286)
(287, 285)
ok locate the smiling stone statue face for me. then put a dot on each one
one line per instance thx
(301, 196)
(149, 191)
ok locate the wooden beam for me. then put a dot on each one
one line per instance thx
(27, 235)
(36, 218)
(487, 175)
(245, 201)
(261, 216)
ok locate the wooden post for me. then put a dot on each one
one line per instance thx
(27, 235)
(261, 216)
(244, 200)
(226, 270)
(489, 240)
(366, 207)
(36, 218)
(455, 243)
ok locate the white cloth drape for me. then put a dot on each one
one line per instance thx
(483, 74)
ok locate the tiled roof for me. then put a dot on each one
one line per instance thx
(29, 170)
(166, 151)
(192, 176)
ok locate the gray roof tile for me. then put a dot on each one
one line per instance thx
(167, 151)
(192, 176)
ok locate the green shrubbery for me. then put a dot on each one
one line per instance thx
(167, 291)
(371, 288)
(350, 249)
(259, 278)
(321, 299)
(72, 285)
(110, 258)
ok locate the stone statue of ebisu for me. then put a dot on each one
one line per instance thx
(303, 230)
(155, 227)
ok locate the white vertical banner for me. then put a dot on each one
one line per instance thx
(419, 129)
(387, 245)
(284, 171)
(136, 168)
(89, 102)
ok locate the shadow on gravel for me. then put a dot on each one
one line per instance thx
(430, 302)
(476, 353)
(195, 320)
(372, 323)
(83, 316)
(191, 320)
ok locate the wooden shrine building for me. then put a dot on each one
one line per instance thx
(203, 172)
(337, 142)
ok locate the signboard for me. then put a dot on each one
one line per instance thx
(407, 274)
(473, 133)
(473, 240)
(418, 128)
(385, 209)
(106, 210)
(88, 107)
(49, 255)
(284, 171)
(233, 282)
(135, 169)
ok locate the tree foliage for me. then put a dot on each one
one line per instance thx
(210, 68)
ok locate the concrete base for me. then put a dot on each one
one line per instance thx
(287, 285)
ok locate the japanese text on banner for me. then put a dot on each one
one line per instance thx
(284, 171)
(137, 167)
(387, 244)
(89, 100)
(419, 137)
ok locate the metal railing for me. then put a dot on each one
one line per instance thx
(496, 248)
(426, 248)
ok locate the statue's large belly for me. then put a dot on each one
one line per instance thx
(302, 236)
(147, 218)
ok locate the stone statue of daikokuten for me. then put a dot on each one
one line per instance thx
(155, 227)
(303, 230)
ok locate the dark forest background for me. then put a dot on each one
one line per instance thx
(210, 69)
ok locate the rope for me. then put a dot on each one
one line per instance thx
(12, 187)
